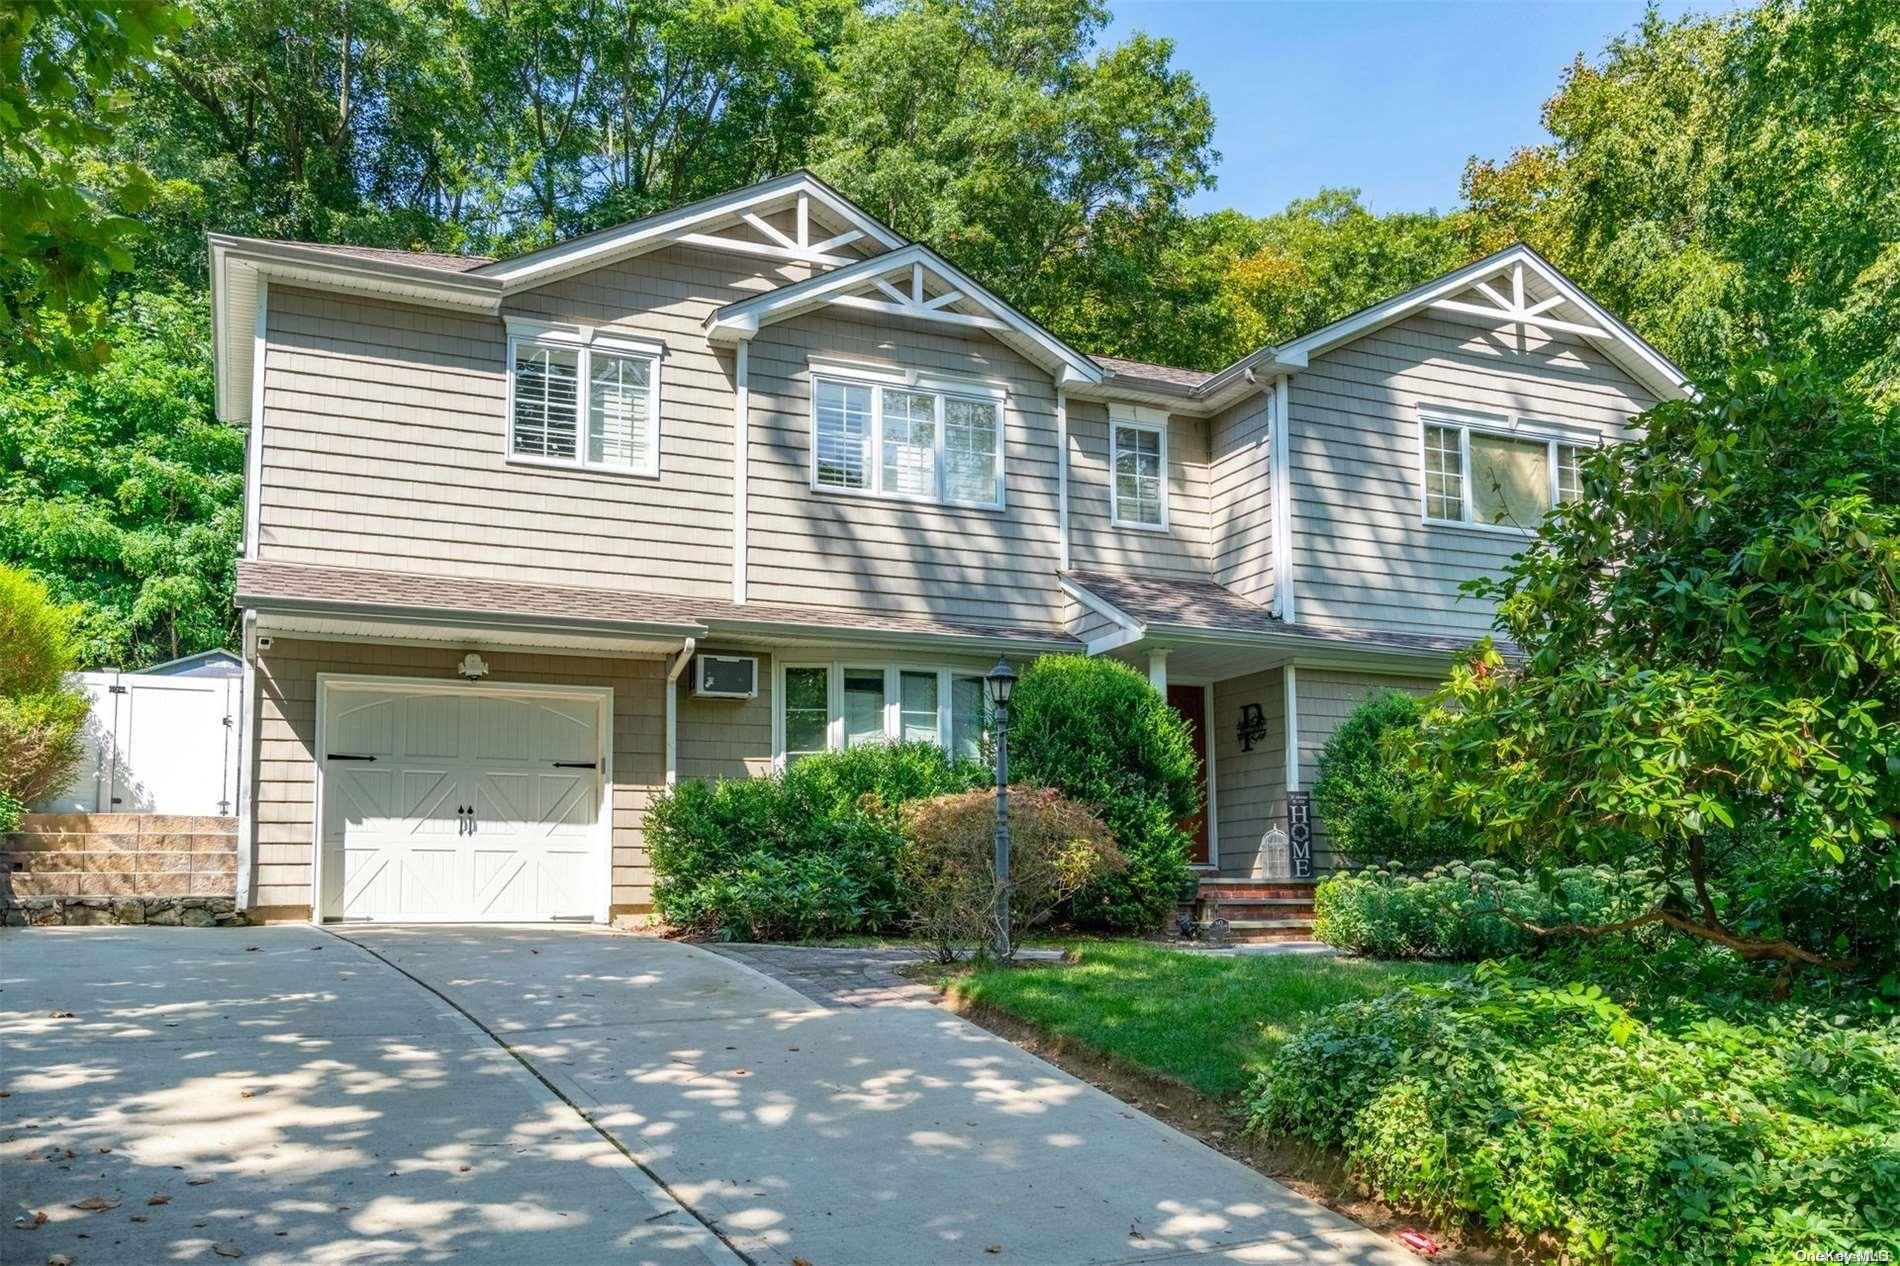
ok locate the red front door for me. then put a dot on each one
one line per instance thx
(1191, 703)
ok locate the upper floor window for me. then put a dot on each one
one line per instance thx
(1495, 476)
(907, 441)
(581, 400)
(1138, 473)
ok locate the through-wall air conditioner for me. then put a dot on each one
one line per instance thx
(725, 677)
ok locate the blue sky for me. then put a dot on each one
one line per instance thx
(1387, 96)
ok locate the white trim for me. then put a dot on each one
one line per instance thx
(254, 460)
(1211, 755)
(1135, 421)
(1062, 478)
(247, 768)
(790, 255)
(908, 377)
(1158, 670)
(893, 670)
(1281, 479)
(604, 791)
(874, 470)
(741, 461)
(1465, 423)
(673, 672)
(583, 342)
(679, 225)
(1098, 604)
(741, 320)
(1291, 690)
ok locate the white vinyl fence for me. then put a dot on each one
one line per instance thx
(157, 744)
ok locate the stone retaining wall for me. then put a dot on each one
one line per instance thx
(82, 868)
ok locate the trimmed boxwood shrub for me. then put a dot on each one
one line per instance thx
(1629, 1134)
(809, 852)
(1371, 797)
(1450, 911)
(1095, 730)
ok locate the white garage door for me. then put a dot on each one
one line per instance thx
(462, 803)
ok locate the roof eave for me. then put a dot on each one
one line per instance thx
(498, 621)
(901, 639)
(742, 320)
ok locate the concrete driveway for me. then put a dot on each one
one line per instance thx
(366, 1100)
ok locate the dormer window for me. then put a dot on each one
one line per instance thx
(1496, 473)
(611, 425)
(1138, 472)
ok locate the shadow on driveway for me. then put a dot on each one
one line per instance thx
(295, 1102)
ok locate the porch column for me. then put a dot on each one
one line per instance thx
(1158, 671)
(1292, 730)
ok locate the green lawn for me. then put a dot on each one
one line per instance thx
(1206, 1020)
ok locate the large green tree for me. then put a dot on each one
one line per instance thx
(1709, 685)
(1728, 184)
(1003, 136)
(123, 491)
(62, 67)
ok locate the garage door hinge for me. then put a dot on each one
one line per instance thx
(578, 764)
(347, 756)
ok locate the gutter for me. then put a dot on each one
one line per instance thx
(477, 620)
(832, 633)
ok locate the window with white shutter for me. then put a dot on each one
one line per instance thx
(546, 419)
(910, 442)
(612, 425)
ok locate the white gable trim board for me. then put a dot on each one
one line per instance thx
(914, 283)
(387, 850)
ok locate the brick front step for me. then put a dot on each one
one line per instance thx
(1224, 890)
(1255, 931)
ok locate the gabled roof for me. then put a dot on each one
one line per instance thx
(795, 218)
(914, 283)
(1514, 286)
(827, 228)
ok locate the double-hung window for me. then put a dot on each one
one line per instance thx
(577, 398)
(831, 706)
(915, 441)
(1138, 473)
(1496, 473)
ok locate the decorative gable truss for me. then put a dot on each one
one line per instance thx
(1537, 306)
(795, 219)
(915, 284)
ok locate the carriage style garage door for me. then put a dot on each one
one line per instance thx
(462, 802)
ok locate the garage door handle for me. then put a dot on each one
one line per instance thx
(347, 756)
(577, 764)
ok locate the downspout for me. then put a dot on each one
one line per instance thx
(1062, 476)
(247, 769)
(1280, 422)
(672, 707)
(741, 442)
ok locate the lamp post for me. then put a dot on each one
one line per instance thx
(1001, 683)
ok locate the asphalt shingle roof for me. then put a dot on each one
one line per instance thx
(1164, 603)
(384, 255)
(264, 584)
(1145, 370)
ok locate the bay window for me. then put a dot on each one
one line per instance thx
(915, 442)
(1494, 474)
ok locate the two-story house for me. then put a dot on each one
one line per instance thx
(527, 540)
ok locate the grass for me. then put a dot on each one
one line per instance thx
(1205, 1020)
